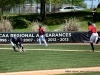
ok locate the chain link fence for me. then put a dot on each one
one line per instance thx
(35, 8)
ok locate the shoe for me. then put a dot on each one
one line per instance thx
(98, 40)
(15, 51)
(92, 50)
(46, 45)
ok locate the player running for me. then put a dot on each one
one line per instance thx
(94, 35)
(42, 36)
(17, 41)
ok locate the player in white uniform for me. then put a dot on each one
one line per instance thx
(94, 35)
(42, 36)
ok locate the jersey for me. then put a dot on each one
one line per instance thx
(41, 31)
(16, 40)
(92, 29)
(19, 39)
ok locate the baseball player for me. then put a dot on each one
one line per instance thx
(93, 35)
(17, 41)
(42, 36)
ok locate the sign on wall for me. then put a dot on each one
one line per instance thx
(51, 37)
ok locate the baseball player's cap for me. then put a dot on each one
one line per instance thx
(89, 23)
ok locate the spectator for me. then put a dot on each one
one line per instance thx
(94, 15)
(38, 10)
(65, 28)
(57, 29)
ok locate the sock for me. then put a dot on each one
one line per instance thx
(40, 42)
(97, 41)
(14, 49)
(45, 43)
(92, 46)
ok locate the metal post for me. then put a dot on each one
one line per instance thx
(19, 9)
(11, 11)
(37, 6)
(45, 7)
(50, 7)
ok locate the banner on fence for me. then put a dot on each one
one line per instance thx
(51, 37)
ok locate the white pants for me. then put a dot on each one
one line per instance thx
(94, 37)
(41, 37)
(12, 44)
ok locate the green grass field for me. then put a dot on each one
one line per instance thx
(11, 61)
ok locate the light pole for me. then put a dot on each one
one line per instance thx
(50, 7)
(37, 6)
(92, 4)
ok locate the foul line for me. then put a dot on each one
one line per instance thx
(54, 50)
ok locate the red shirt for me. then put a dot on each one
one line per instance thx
(41, 31)
(92, 29)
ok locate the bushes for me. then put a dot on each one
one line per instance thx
(72, 24)
(20, 22)
(23, 21)
(54, 21)
(5, 25)
(35, 26)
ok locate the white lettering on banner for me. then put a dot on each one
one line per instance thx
(3, 40)
(58, 34)
(27, 40)
(63, 34)
(70, 35)
(60, 39)
(37, 39)
(34, 37)
(51, 39)
(54, 35)
(64, 39)
(4, 35)
(37, 35)
(22, 35)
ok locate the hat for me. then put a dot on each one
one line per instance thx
(89, 23)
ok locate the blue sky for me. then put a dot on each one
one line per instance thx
(95, 3)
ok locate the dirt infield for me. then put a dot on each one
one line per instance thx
(56, 44)
(55, 71)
